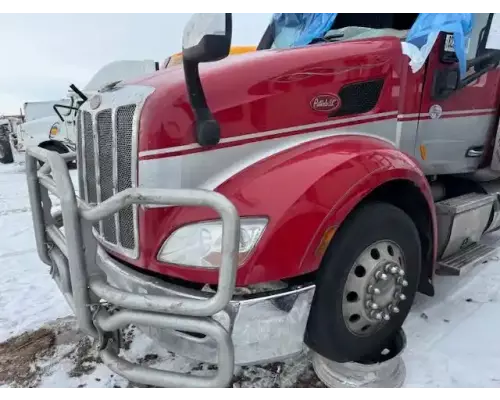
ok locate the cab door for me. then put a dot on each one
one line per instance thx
(457, 116)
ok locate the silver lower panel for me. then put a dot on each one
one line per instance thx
(265, 328)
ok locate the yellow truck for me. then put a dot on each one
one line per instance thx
(176, 59)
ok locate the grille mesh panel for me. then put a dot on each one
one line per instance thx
(106, 157)
(88, 133)
(124, 120)
(79, 156)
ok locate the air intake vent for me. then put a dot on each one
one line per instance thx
(358, 98)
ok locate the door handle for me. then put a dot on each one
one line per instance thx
(475, 152)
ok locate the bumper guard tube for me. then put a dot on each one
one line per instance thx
(227, 329)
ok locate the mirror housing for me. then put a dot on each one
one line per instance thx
(206, 38)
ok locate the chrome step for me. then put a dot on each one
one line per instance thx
(462, 261)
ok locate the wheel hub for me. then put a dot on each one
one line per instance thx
(374, 288)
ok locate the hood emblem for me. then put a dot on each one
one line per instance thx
(325, 103)
(95, 101)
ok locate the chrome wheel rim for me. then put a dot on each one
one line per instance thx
(374, 288)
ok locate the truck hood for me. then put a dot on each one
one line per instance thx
(253, 92)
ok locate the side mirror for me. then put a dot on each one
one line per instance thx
(206, 38)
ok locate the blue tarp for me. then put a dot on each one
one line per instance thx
(425, 30)
(299, 29)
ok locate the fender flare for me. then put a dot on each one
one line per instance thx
(330, 177)
(364, 190)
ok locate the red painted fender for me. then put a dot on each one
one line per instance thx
(303, 191)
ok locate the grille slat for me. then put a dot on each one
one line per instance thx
(107, 169)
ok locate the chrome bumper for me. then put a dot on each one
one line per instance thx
(229, 329)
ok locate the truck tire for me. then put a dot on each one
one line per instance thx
(366, 284)
(6, 156)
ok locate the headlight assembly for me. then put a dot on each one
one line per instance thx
(199, 244)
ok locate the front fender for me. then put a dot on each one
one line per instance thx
(303, 191)
(36, 131)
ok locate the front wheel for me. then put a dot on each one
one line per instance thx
(6, 156)
(366, 284)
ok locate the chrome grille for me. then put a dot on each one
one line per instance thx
(107, 168)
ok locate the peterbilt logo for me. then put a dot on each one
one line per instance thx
(325, 103)
(95, 101)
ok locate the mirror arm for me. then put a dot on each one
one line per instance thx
(78, 92)
(472, 77)
(207, 129)
(485, 62)
(57, 106)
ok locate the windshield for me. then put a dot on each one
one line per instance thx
(300, 29)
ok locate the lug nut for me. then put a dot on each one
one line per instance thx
(372, 305)
(402, 297)
(377, 315)
(403, 282)
(387, 317)
(381, 275)
(374, 290)
(395, 309)
(401, 272)
(394, 270)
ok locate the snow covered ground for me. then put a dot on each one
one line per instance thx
(452, 338)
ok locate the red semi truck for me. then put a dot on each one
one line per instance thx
(240, 210)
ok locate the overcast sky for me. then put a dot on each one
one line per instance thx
(41, 54)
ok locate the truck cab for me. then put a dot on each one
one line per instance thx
(242, 209)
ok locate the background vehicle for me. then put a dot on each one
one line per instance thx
(51, 124)
(301, 193)
(176, 59)
(39, 126)
(7, 127)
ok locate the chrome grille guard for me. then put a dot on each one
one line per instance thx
(72, 257)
